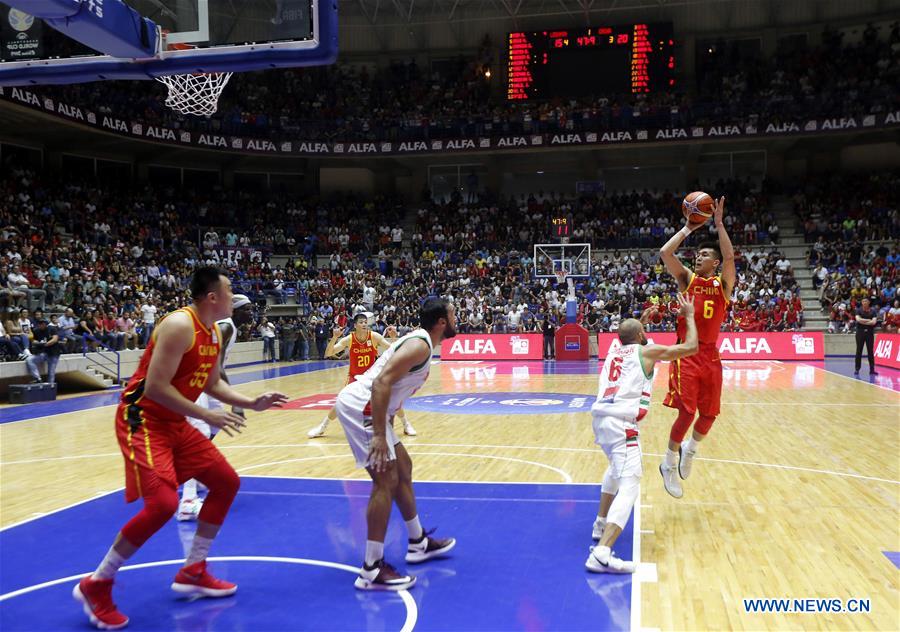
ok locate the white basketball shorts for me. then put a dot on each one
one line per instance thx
(209, 403)
(358, 429)
(621, 443)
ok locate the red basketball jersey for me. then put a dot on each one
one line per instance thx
(362, 355)
(190, 377)
(710, 308)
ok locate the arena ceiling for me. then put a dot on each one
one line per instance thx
(412, 12)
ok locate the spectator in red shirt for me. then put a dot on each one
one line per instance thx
(792, 318)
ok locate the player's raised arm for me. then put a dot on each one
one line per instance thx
(654, 353)
(409, 355)
(729, 272)
(670, 259)
(382, 343)
(336, 344)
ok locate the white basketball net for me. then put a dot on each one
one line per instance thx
(195, 94)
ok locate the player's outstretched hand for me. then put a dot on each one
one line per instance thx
(225, 420)
(269, 400)
(648, 314)
(685, 305)
(336, 332)
(379, 457)
(719, 211)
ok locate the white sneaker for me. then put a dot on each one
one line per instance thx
(611, 565)
(670, 480)
(599, 526)
(408, 428)
(383, 576)
(685, 460)
(318, 431)
(427, 547)
(189, 509)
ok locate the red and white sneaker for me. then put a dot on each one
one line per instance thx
(427, 547)
(95, 595)
(382, 576)
(195, 580)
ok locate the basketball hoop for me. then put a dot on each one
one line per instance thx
(560, 276)
(195, 93)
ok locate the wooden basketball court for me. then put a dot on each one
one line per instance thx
(796, 493)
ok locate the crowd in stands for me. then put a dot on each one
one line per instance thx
(102, 265)
(454, 98)
(839, 215)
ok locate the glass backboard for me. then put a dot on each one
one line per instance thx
(198, 36)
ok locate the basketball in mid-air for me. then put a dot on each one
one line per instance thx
(697, 207)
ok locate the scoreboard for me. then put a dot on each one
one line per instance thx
(604, 60)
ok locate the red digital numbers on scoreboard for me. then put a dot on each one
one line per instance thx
(638, 58)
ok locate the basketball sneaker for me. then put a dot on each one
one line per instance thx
(685, 460)
(670, 480)
(195, 580)
(318, 431)
(408, 429)
(382, 576)
(95, 596)
(427, 547)
(599, 526)
(598, 562)
(189, 509)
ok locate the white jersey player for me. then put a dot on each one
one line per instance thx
(366, 409)
(190, 505)
(623, 398)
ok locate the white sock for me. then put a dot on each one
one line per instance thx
(109, 566)
(199, 550)
(326, 420)
(602, 553)
(415, 528)
(189, 492)
(374, 552)
(671, 458)
(692, 445)
(600, 520)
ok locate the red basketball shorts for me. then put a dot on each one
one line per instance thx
(160, 452)
(695, 382)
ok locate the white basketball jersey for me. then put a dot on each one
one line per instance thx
(227, 345)
(357, 394)
(625, 389)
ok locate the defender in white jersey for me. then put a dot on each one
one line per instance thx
(623, 398)
(366, 410)
(190, 505)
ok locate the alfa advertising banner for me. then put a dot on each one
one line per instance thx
(493, 347)
(887, 350)
(807, 345)
(140, 129)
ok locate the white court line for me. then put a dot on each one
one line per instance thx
(303, 478)
(69, 506)
(493, 446)
(412, 609)
(853, 379)
(565, 475)
(636, 557)
(418, 497)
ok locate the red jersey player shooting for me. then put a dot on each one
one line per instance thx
(695, 382)
(162, 449)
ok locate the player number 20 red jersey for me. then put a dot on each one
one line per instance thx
(362, 355)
